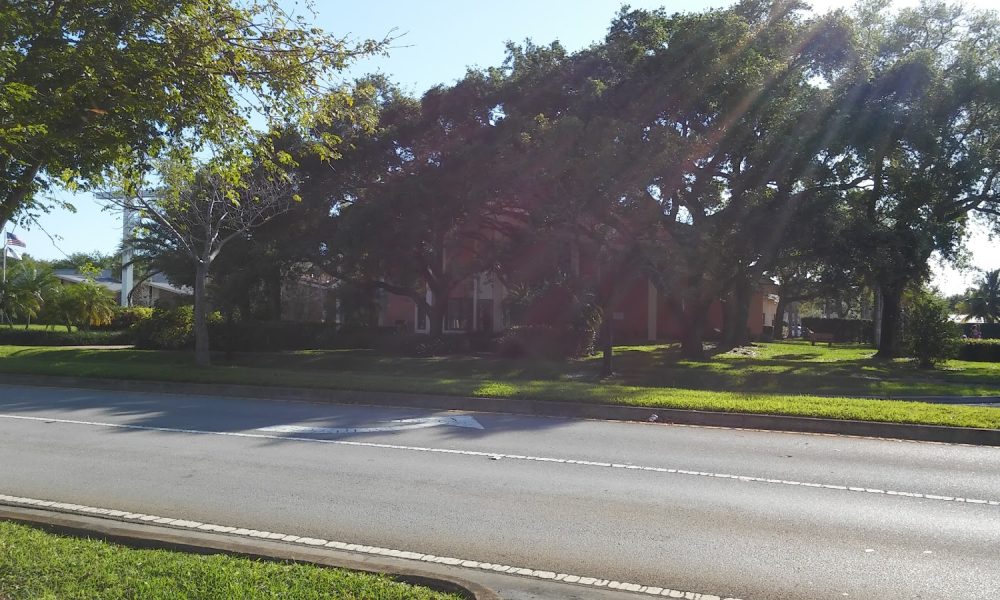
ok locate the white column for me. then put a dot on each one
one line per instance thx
(128, 224)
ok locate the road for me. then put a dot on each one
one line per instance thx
(733, 513)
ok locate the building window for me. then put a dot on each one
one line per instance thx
(459, 317)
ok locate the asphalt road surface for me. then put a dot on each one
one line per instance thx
(733, 513)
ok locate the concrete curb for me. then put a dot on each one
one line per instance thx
(145, 536)
(547, 408)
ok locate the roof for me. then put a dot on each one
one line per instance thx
(72, 277)
(965, 319)
(166, 286)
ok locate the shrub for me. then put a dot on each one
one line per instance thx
(930, 335)
(56, 337)
(257, 336)
(979, 350)
(392, 341)
(171, 329)
(129, 317)
(843, 330)
(544, 341)
(989, 331)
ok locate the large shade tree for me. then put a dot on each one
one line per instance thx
(85, 85)
(727, 122)
(572, 163)
(924, 146)
(200, 209)
(416, 206)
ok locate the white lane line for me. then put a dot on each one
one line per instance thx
(500, 455)
(123, 515)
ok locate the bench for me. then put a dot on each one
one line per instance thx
(814, 337)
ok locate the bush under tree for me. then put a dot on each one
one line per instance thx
(930, 335)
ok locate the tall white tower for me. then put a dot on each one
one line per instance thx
(130, 220)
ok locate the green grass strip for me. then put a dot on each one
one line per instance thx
(38, 565)
(165, 366)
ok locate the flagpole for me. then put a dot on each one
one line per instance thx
(5, 257)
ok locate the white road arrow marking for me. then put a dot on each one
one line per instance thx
(395, 425)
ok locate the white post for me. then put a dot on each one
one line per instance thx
(5, 257)
(128, 218)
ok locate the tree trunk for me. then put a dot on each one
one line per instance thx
(877, 318)
(892, 307)
(734, 324)
(607, 344)
(437, 311)
(778, 326)
(202, 356)
(230, 333)
(692, 337)
(727, 339)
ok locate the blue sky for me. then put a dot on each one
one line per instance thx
(436, 41)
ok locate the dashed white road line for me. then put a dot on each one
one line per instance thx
(501, 455)
(123, 515)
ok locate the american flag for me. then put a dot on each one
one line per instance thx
(12, 240)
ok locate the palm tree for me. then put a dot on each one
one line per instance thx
(984, 301)
(89, 304)
(33, 284)
(22, 294)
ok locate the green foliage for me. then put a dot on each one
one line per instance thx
(986, 330)
(35, 564)
(43, 337)
(84, 305)
(86, 87)
(545, 342)
(779, 382)
(423, 186)
(77, 260)
(843, 330)
(983, 301)
(129, 317)
(23, 295)
(171, 329)
(930, 334)
(274, 336)
(979, 350)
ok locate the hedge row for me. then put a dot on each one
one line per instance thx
(174, 330)
(989, 331)
(545, 342)
(55, 337)
(980, 350)
(843, 330)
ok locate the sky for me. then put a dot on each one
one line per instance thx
(435, 42)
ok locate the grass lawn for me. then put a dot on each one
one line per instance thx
(36, 327)
(799, 367)
(768, 379)
(35, 564)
